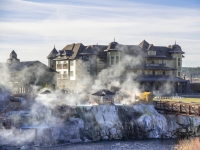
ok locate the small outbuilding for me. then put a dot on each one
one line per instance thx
(105, 96)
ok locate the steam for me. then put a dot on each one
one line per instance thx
(42, 111)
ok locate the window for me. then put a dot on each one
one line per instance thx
(163, 73)
(164, 62)
(59, 62)
(65, 62)
(88, 67)
(71, 73)
(112, 60)
(85, 57)
(65, 66)
(153, 72)
(71, 62)
(65, 74)
(152, 62)
(179, 74)
(151, 52)
(179, 62)
(117, 59)
(59, 66)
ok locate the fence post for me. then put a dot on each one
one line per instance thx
(199, 110)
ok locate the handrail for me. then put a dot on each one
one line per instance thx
(178, 107)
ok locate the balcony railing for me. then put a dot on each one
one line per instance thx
(65, 66)
(65, 76)
(59, 66)
(62, 76)
(59, 76)
(153, 65)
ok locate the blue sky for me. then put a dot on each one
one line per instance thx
(32, 27)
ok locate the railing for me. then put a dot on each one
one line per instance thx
(155, 64)
(59, 76)
(65, 66)
(178, 107)
(59, 66)
(65, 76)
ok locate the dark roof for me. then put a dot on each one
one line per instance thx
(70, 51)
(73, 51)
(20, 65)
(13, 54)
(103, 93)
(175, 49)
(52, 54)
(24, 64)
(161, 51)
(159, 78)
(144, 44)
(46, 92)
(95, 50)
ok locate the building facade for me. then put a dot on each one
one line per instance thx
(23, 75)
(158, 65)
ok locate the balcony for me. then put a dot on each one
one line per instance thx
(65, 66)
(59, 76)
(65, 76)
(156, 65)
(59, 66)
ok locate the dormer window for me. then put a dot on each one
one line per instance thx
(85, 57)
(151, 52)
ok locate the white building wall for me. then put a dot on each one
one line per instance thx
(62, 70)
(72, 68)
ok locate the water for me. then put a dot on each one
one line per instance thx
(149, 144)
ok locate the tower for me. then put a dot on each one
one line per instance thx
(13, 58)
(50, 58)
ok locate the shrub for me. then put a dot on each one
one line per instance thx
(192, 144)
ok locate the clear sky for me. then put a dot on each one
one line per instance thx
(32, 27)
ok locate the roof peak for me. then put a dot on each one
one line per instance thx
(13, 54)
(53, 53)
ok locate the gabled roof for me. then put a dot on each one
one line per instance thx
(144, 44)
(73, 51)
(89, 51)
(70, 51)
(151, 47)
(103, 92)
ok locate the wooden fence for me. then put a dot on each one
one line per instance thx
(178, 107)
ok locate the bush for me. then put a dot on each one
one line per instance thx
(192, 144)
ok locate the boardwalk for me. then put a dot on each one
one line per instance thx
(177, 107)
